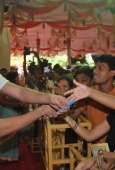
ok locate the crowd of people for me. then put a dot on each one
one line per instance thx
(94, 95)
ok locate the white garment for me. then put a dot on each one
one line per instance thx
(3, 81)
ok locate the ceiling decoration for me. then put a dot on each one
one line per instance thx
(91, 23)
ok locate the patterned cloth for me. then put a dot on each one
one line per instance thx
(9, 144)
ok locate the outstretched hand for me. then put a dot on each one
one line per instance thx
(80, 92)
(57, 102)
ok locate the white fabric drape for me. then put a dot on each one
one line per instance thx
(5, 49)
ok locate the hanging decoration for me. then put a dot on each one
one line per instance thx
(38, 45)
(48, 7)
(20, 18)
(53, 43)
(91, 46)
(15, 17)
(37, 2)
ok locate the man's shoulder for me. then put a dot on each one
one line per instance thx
(3, 81)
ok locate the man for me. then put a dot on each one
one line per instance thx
(84, 75)
(12, 124)
(4, 72)
(81, 92)
(104, 72)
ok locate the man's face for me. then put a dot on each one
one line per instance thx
(83, 79)
(4, 73)
(102, 73)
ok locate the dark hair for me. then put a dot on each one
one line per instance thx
(3, 69)
(31, 66)
(11, 76)
(68, 79)
(56, 66)
(67, 71)
(106, 58)
(87, 70)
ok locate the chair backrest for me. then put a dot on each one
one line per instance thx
(76, 153)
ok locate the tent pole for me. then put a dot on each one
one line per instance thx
(69, 50)
(2, 3)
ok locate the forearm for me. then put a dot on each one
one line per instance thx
(82, 91)
(25, 94)
(36, 97)
(13, 124)
(84, 133)
(102, 98)
(75, 114)
(88, 135)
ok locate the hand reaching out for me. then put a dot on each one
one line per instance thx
(80, 92)
(47, 112)
(57, 102)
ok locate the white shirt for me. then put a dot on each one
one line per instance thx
(3, 81)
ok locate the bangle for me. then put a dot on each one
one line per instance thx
(75, 126)
(40, 110)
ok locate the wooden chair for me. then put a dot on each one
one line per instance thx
(49, 147)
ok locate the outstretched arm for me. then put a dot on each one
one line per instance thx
(31, 96)
(82, 91)
(12, 124)
(88, 135)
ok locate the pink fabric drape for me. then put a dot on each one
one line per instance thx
(49, 7)
(29, 24)
(85, 28)
(80, 14)
(58, 25)
(107, 27)
(89, 51)
(59, 50)
(44, 49)
(89, 5)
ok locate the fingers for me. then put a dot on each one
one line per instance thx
(48, 112)
(72, 97)
(68, 92)
(76, 83)
(73, 90)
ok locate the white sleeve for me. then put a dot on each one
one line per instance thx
(3, 81)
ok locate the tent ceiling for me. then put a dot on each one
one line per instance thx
(75, 19)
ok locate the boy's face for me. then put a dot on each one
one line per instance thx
(83, 79)
(4, 73)
(64, 85)
(102, 73)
